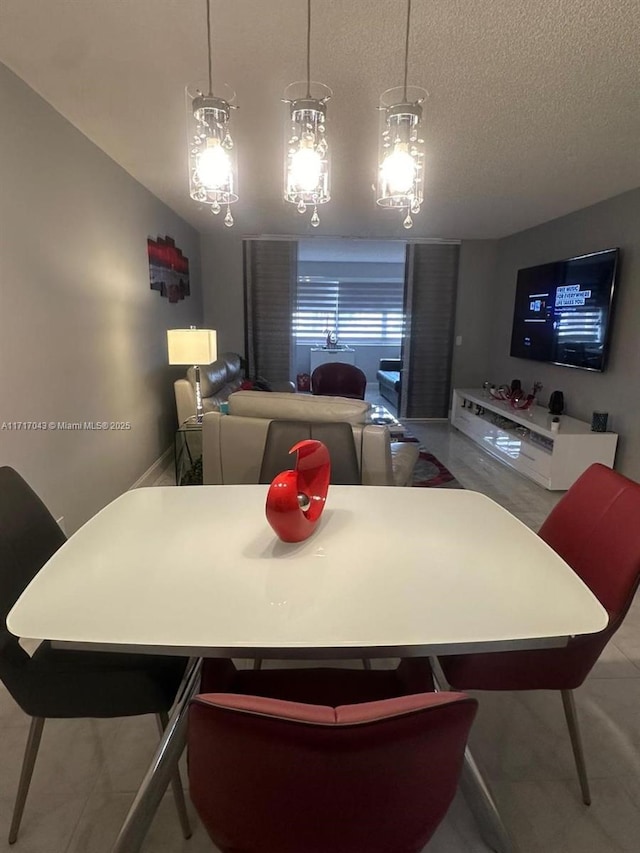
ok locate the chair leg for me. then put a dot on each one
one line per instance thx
(366, 663)
(28, 763)
(176, 784)
(576, 743)
(257, 663)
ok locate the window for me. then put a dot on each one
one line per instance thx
(361, 311)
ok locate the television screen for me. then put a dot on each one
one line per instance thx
(563, 311)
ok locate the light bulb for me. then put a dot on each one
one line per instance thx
(305, 169)
(213, 166)
(399, 171)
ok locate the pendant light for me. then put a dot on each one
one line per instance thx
(306, 159)
(400, 144)
(213, 175)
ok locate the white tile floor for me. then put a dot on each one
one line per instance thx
(88, 770)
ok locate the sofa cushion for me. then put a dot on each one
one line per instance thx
(225, 370)
(297, 407)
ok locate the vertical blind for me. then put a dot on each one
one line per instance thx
(431, 281)
(269, 293)
(361, 311)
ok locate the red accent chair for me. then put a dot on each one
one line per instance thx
(337, 379)
(302, 771)
(595, 528)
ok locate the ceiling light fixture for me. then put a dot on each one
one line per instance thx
(213, 174)
(400, 144)
(306, 161)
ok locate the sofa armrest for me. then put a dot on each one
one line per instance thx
(376, 461)
(404, 455)
(185, 400)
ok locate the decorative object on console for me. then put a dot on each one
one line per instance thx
(307, 163)
(213, 175)
(556, 403)
(168, 269)
(400, 144)
(555, 424)
(599, 421)
(193, 347)
(296, 499)
(332, 339)
(514, 394)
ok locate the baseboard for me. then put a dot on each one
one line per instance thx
(154, 470)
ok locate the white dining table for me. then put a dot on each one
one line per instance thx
(388, 572)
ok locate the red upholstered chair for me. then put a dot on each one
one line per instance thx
(270, 775)
(336, 379)
(595, 527)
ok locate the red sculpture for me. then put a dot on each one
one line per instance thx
(516, 396)
(295, 499)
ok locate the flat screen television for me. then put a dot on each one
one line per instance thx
(562, 311)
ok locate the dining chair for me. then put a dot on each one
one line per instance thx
(283, 761)
(59, 683)
(338, 379)
(336, 436)
(595, 528)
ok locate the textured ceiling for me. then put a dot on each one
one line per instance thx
(534, 107)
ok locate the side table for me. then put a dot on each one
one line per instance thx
(187, 449)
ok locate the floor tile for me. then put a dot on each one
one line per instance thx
(546, 817)
(48, 822)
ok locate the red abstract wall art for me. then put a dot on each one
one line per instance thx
(168, 268)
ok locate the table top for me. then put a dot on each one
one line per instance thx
(389, 570)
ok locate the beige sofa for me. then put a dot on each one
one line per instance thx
(233, 444)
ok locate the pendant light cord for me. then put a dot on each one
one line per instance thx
(209, 45)
(406, 50)
(308, 48)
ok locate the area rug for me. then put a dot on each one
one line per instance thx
(431, 473)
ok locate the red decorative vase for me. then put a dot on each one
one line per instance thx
(296, 499)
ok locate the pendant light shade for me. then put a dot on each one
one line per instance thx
(213, 173)
(306, 159)
(401, 151)
(400, 182)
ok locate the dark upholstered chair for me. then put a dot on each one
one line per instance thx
(285, 761)
(595, 527)
(337, 437)
(336, 379)
(56, 682)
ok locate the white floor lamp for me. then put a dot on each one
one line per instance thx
(193, 347)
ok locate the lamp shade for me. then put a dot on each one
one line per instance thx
(192, 346)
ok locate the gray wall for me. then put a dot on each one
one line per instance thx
(615, 222)
(82, 336)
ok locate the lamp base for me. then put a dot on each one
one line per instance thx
(199, 409)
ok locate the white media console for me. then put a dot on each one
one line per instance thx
(523, 439)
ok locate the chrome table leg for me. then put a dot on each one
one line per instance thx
(480, 800)
(162, 768)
